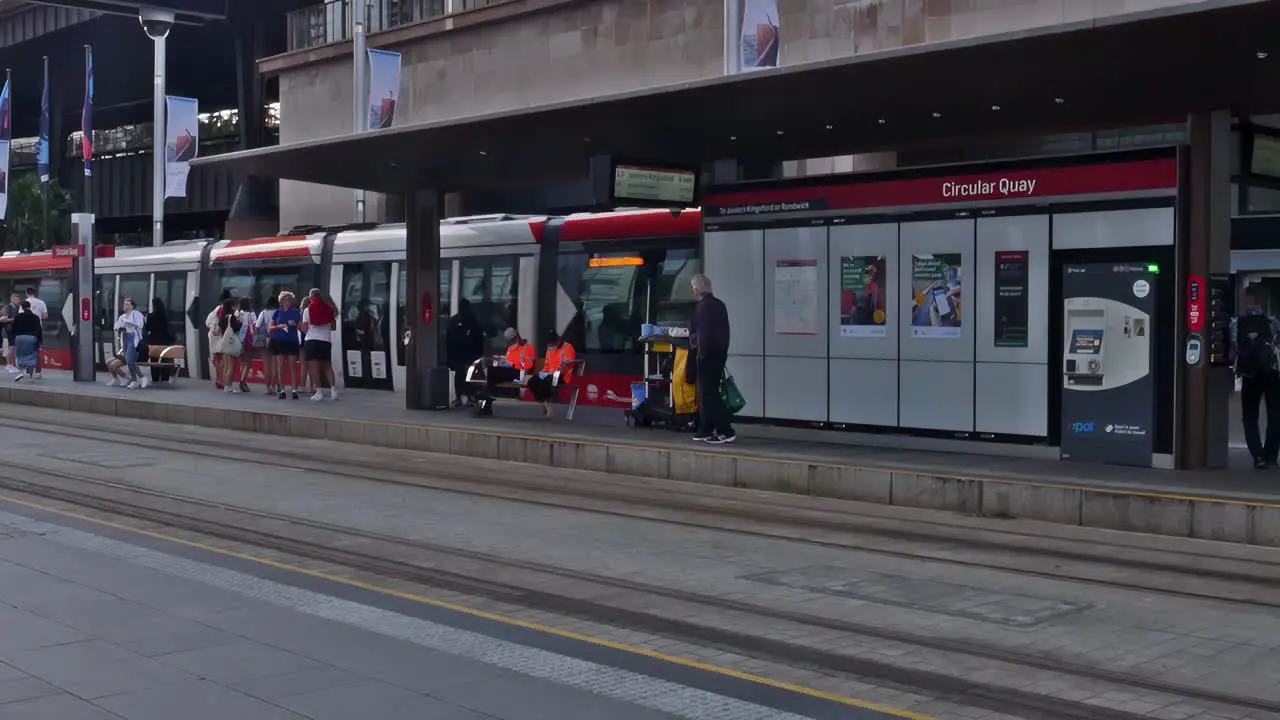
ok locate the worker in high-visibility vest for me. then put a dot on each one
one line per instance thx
(514, 368)
(556, 371)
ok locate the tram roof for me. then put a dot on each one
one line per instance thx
(1143, 68)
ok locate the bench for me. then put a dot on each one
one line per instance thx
(574, 369)
(170, 356)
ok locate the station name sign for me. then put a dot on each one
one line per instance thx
(869, 192)
(68, 251)
(978, 189)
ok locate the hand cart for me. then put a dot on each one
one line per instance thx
(663, 398)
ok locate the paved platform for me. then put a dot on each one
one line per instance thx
(101, 625)
(1239, 504)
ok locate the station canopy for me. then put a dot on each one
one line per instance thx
(185, 11)
(1147, 69)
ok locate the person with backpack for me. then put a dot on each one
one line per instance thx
(1254, 336)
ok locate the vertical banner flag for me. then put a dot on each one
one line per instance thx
(384, 88)
(5, 135)
(759, 36)
(42, 145)
(86, 116)
(181, 142)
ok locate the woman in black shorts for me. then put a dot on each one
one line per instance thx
(318, 321)
(285, 339)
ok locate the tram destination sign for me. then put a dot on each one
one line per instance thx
(68, 251)
(653, 185)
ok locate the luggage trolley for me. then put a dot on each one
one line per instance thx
(663, 398)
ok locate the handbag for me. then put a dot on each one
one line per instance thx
(231, 344)
(730, 395)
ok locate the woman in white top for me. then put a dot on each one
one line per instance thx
(129, 325)
(318, 322)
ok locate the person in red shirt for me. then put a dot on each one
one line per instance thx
(556, 371)
(515, 367)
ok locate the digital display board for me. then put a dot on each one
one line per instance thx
(1086, 342)
(654, 185)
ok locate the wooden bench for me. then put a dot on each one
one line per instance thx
(574, 369)
(171, 356)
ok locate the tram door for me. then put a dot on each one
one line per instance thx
(366, 325)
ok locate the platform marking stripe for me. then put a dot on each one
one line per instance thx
(623, 685)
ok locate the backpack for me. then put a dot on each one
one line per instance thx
(1256, 353)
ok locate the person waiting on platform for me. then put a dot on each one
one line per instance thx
(515, 367)
(1254, 338)
(556, 371)
(464, 344)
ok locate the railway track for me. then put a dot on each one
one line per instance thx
(475, 573)
(1176, 573)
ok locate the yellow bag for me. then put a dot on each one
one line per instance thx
(684, 397)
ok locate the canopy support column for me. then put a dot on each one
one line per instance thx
(1206, 250)
(427, 378)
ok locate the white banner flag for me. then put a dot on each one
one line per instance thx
(4, 179)
(181, 142)
(384, 88)
(759, 39)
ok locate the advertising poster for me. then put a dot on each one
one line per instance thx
(760, 38)
(935, 296)
(1010, 306)
(795, 297)
(863, 288)
(355, 364)
(384, 88)
(181, 143)
(378, 365)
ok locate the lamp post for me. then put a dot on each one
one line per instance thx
(157, 24)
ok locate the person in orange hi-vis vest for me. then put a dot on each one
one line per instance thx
(515, 367)
(556, 371)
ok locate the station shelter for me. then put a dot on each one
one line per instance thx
(1045, 302)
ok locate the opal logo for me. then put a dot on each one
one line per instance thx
(1082, 428)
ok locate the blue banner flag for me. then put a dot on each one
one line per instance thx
(42, 145)
(6, 128)
(384, 88)
(86, 117)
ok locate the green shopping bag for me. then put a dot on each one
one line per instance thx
(731, 395)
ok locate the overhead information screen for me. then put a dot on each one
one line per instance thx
(654, 186)
(1086, 342)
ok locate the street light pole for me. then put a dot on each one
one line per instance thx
(360, 81)
(157, 24)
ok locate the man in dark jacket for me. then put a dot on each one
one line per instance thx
(464, 344)
(709, 338)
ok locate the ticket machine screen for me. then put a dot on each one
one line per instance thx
(1086, 342)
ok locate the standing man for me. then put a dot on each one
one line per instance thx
(1253, 344)
(41, 311)
(7, 318)
(709, 339)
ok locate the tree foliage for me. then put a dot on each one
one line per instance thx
(22, 229)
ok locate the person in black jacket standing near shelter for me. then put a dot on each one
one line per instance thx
(464, 344)
(709, 339)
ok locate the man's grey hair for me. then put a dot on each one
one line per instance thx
(702, 284)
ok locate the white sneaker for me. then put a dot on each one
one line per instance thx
(333, 393)
(145, 381)
(111, 383)
(12, 370)
(39, 375)
(318, 396)
(133, 385)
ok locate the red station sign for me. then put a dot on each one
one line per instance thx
(1195, 304)
(68, 251)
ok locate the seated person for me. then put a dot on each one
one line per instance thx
(520, 359)
(560, 355)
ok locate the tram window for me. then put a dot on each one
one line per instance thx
(270, 283)
(237, 282)
(607, 289)
(672, 299)
(402, 290)
(137, 287)
(104, 302)
(53, 291)
(366, 290)
(492, 286)
(445, 307)
(171, 288)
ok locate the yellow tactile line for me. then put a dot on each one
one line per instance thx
(444, 605)
(723, 455)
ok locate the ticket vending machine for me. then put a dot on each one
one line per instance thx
(1108, 390)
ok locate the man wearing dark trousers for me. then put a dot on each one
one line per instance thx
(709, 340)
(1254, 335)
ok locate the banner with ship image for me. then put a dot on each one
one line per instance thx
(384, 88)
(760, 40)
(181, 143)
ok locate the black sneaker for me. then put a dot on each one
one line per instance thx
(281, 395)
(1259, 464)
(295, 394)
(721, 439)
